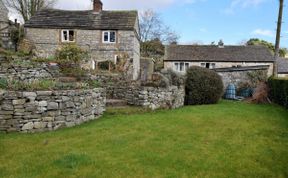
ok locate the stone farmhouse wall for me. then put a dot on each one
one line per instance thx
(3, 15)
(49, 110)
(47, 41)
(170, 65)
(4, 26)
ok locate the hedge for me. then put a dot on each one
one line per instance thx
(202, 86)
(279, 91)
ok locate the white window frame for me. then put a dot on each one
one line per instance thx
(116, 57)
(109, 36)
(68, 37)
(212, 65)
(177, 66)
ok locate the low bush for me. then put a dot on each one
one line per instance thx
(279, 91)
(70, 57)
(3, 83)
(175, 78)
(202, 86)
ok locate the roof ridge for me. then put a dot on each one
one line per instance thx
(252, 46)
(88, 10)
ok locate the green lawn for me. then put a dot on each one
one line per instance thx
(229, 139)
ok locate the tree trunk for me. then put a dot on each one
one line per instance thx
(278, 36)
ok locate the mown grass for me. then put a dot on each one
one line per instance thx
(229, 139)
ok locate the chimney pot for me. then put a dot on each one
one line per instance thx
(97, 5)
(221, 44)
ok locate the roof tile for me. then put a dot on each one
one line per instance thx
(217, 54)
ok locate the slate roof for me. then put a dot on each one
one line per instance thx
(282, 65)
(217, 54)
(90, 20)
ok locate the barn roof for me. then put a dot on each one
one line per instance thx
(89, 19)
(218, 54)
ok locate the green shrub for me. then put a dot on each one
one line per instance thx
(203, 86)
(175, 78)
(94, 83)
(76, 72)
(69, 58)
(279, 91)
(3, 83)
(70, 54)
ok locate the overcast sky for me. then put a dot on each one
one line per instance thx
(204, 21)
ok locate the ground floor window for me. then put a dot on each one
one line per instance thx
(208, 65)
(181, 66)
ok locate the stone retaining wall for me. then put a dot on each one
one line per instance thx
(49, 110)
(155, 98)
(28, 72)
(151, 97)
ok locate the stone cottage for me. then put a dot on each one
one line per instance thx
(181, 57)
(107, 35)
(4, 26)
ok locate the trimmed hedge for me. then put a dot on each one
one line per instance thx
(279, 91)
(203, 86)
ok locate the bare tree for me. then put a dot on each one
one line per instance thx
(278, 36)
(152, 27)
(28, 8)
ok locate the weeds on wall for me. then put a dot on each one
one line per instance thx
(45, 84)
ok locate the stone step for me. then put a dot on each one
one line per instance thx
(115, 103)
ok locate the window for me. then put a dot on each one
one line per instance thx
(109, 37)
(213, 65)
(176, 66)
(181, 66)
(186, 66)
(68, 36)
(208, 65)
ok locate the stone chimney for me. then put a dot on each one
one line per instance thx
(221, 44)
(97, 5)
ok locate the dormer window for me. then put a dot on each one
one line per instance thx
(109, 37)
(67, 36)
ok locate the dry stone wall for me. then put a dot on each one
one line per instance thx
(117, 87)
(26, 72)
(155, 98)
(237, 76)
(49, 110)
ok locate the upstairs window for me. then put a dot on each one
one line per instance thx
(109, 37)
(67, 36)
